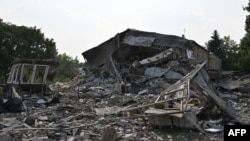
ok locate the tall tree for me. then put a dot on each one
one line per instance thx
(24, 43)
(244, 59)
(215, 45)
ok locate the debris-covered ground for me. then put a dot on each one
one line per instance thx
(136, 88)
(88, 111)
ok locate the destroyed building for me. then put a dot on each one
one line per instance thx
(133, 82)
(171, 68)
(132, 45)
(26, 77)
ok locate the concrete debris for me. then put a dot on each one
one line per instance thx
(155, 71)
(134, 85)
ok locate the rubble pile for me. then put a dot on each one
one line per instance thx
(235, 87)
(133, 83)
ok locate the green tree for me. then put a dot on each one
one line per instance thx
(68, 67)
(231, 52)
(24, 43)
(215, 45)
(244, 52)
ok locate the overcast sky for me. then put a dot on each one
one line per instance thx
(78, 25)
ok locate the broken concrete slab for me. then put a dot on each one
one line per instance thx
(156, 71)
(172, 75)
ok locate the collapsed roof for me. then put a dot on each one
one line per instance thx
(100, 54)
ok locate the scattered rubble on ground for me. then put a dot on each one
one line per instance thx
(131, 89)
